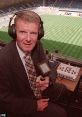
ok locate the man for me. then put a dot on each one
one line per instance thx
(17, 96)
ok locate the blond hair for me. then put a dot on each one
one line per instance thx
(27, 15)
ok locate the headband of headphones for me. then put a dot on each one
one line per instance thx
(11, 27)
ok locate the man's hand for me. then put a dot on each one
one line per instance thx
(42, 82)
(42, 104)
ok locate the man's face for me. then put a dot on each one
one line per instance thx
(27, 35)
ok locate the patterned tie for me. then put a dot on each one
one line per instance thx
(31, 73)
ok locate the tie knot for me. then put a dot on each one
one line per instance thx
(27, 57)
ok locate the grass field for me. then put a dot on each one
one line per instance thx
(62, 33)
(4, 35)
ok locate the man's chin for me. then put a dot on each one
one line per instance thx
(27, 50)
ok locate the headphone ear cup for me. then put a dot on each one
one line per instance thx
(12, 31)
(41, 31)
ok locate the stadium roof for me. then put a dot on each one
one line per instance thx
(6, 3)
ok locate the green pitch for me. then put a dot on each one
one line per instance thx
(62, 33)
(4, 35)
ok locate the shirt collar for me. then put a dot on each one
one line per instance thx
(21, 53)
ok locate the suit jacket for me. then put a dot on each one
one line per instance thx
(16, 97)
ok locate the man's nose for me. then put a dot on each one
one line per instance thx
(28, 37)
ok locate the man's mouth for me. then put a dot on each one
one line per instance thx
(27, 43)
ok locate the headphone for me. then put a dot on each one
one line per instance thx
(12, 31)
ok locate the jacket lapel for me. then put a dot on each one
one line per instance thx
(18, 67)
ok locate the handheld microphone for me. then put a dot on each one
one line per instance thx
(48, 69)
